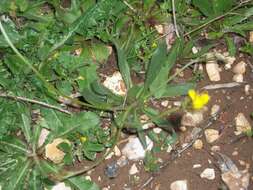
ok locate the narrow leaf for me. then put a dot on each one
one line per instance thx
(177, 89)
(123, 66)
(158, 60)
(80, 183)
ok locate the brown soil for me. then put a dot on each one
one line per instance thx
(182, 167)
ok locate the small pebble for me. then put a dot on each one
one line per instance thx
(117, 151)
(111, 170)
(183, 128)
(133, 170)
(179, 185)
(195, 50)
(247, 89)
(88, 177)
(198, 144)
(208, 173)
(165, 103)
(177, 103)
(157, 130)
(235, 153)
(242, 163)
(122, 161)
(169, 149)
(196, 166)
(240, 68)
(211, 135)
(238, 78)
(215, 109)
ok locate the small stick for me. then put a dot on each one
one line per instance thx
(224, 85)
(174, 18)
(24, 99)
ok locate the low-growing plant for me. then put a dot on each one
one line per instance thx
(51, 51)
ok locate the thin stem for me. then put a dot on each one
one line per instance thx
(174, 18)
(216, 18)
(129, 6)
(24, 99)
(182, 69)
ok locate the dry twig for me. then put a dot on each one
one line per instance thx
(24, 99)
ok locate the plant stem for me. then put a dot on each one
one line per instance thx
(24, 99)
(174, 18)
(216, 18)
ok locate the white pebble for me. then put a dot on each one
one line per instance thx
(208, 173)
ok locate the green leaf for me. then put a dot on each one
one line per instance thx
(123, 66)
(89, 18)
(222, 6)
(26, 122)
(35, 182)
(13, 34)
(94, 147)
(100, 52)
(70, 14)
(157, 62)
(80, 183)
(47, 168)
(22, 4)
(80, 122)
(205, 6)
(18, 177)
(11, 144)
(158, 86)
(177, 89)
(247, 48)
(231, 46)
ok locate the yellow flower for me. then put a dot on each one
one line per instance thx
(198, 100)
(154, 45)
(83, 139)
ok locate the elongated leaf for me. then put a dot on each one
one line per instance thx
(178, 89)
(80, 183)
(222, 6)
(13, 34)
(45, 168)
(17, 179)
(157, 62)
(123, 66)
(231, 46)
(205, 6)
(26, 122)
(158, 86)
(11, 145)
(80, 122)
(35, 181)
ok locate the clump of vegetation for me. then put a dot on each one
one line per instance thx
(51, 50)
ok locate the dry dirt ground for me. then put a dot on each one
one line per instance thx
(240, 150)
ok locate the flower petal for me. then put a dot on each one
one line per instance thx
(192, 94)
